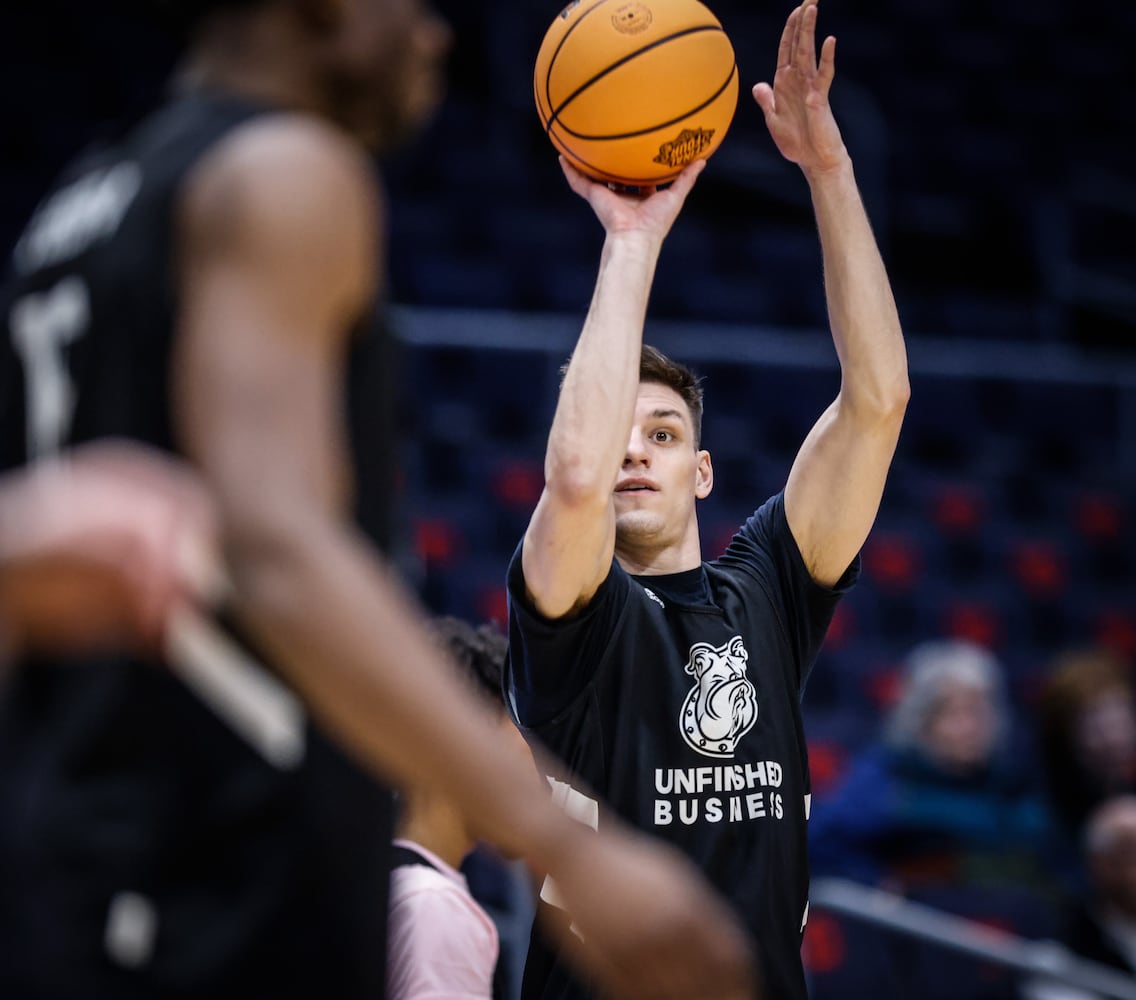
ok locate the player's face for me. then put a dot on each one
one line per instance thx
(389, 67)
(663, 474)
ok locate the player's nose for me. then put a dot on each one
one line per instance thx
(636, 450)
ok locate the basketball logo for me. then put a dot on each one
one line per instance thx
(631, 18)
(690, 144)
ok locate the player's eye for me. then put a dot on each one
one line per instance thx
(662, 436)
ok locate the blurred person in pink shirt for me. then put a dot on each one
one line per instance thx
(441, 942)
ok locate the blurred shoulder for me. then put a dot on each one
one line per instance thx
(287, 166)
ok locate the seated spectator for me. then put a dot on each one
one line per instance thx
(1087, 727)
(442, 943)
(1105, 930)
(1102, 926)
(941, 799)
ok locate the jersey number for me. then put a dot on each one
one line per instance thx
(44, 325)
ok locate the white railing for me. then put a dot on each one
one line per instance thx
(556, 333)
(1044, 960)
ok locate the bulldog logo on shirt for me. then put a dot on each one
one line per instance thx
(722, 707)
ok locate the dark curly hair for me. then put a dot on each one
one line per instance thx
(479, 652)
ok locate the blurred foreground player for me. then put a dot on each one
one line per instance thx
(208, 286)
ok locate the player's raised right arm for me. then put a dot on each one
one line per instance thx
(571, 538)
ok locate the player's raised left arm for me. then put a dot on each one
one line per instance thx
(836, 483)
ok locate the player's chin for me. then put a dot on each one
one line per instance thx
(628, 504)
(638, 524)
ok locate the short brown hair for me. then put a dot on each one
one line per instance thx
(655, 366)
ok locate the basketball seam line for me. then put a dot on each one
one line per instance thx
(559, 45)
(615, 65)
(654, 128)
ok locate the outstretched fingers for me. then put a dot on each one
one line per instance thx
(788, 39)
(804, 50)
(763, 94)
(827, 69)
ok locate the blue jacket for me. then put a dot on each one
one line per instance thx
(896, 815)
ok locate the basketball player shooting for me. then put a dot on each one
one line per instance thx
(669, 685)
(208, 286)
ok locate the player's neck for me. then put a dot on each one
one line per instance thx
(654, 560)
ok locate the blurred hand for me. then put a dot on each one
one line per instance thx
(646, 925)
(652, 212)
(796, 108)
(97, 548)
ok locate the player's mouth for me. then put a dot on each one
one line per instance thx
(636, 486)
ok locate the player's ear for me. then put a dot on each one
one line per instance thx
(703, 476)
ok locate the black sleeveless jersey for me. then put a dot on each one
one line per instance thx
(676, 700)
(145, 849)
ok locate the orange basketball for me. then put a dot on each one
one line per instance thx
(631, 91)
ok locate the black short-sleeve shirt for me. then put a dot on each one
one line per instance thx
(676, 700)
